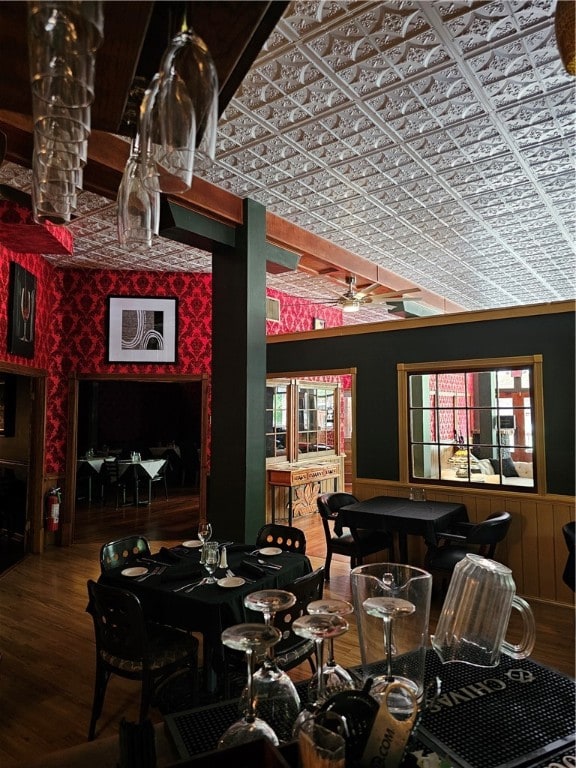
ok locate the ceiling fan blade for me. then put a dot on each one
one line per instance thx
(390, 295)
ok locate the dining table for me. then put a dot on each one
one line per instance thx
(89, 469)
(169, 586)
(137, 470)
(403, 517)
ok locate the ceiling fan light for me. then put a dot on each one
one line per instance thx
(351, 307)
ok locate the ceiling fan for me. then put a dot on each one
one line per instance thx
(352, 299)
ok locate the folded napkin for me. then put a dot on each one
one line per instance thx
(252, 569)
(240, 547)
(182, 570)
(171, 555)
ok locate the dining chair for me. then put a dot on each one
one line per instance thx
(129, 646)
(286, 537)
(112, 482)
(450, 547)
(355, 544)
(123, 552)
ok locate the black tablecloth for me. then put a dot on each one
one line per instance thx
(209, 608)
(387, 513)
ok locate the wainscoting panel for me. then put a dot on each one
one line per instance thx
(534, 548)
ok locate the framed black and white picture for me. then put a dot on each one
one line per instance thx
(21, 311)
(142, 330)
(319, 323)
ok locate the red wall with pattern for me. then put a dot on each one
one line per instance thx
(71, 328)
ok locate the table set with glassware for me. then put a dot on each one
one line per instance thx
(471, 700)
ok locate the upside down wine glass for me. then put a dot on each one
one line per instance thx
(317, 627)
(335, 677)
(251, 639)
(388, 609)
(275, 695)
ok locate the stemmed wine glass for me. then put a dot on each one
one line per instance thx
(277, 699)
(179, 111)
(25, 309)
(252, 639)
(335, 677)
(211, 559)
(388, 609)
(204, 534)
(320, 627)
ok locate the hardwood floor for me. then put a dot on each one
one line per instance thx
(46, 637)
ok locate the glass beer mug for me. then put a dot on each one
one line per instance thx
(475, 615)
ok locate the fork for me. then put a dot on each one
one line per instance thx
(199, 584)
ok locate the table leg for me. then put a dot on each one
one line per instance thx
(290, 505)
(403, 547)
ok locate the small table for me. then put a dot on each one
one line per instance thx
(145, 468)
(388, 513)
(89, 468)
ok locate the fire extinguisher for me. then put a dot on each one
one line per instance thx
(53, 500)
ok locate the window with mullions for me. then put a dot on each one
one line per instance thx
(475, 424)
(301, 419)
(277, 420)
(315, 419)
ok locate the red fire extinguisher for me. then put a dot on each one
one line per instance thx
(53, 509)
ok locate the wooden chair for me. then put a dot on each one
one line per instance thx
(123, 552)
(286, 537)
(358, 542)
(479, 538)
(130, 647)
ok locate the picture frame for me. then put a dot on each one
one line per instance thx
(319, 323)
(21, 311)
(142, 329)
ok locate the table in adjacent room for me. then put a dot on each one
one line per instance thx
(403, 516)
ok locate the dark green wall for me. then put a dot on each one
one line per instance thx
(375, 356)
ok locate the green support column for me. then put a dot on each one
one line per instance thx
(237, 487)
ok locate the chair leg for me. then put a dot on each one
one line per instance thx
(100, 683)
(327, 565)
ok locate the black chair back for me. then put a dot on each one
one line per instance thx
(123, 552)
(286, 537)
(330, 503)
(487, 534)
(118, 621)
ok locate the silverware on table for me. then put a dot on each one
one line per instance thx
(199, 584)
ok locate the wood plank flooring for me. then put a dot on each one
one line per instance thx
(46, 637)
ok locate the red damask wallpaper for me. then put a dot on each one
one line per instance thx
(71, 332)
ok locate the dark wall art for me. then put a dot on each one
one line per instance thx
(21, 311)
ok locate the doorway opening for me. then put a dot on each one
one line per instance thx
(156, 418)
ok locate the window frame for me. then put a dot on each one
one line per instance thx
(404, 370)
(293, 454)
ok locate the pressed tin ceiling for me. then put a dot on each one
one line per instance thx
(435, 139)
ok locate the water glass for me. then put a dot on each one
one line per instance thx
(399, 584)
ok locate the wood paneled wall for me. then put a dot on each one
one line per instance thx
(534, 548)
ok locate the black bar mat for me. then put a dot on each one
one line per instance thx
(198, 730)
(516, 715)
